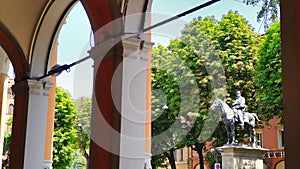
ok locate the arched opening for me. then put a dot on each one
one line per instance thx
(75, 39)
(6, 106)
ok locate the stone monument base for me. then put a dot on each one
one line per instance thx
(239, 157)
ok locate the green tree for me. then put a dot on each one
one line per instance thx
(268, 12)
(6, 144)
(64, 130)
(269, 77)
(185, 76)
(83, 128)
(84, 113)
(215, 52)
(238, 45)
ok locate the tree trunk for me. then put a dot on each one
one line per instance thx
(171, 158)
(198, 147)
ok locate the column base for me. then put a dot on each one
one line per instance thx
(147, 163)
(47, 164)
(236, 157)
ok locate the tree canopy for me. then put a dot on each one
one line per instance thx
(269, 78)
(64, 130)
(84, 113)
(269, 11)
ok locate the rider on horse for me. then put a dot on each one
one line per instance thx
(239, 108)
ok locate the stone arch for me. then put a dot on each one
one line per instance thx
(99, 14)
(46, 35)
(14, 52)
(21, 67)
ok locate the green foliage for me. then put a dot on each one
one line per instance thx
(82, 140)
(159, 161)
(64, 130)
(82, 143)
(216, 53)
(238, 45)
(80, 161)
(6, 144)
(269, 78)
(84, 113)
(269, 10)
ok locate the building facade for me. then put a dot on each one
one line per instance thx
(271, 137)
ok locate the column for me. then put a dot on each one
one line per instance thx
(105, 124)
(134, 147)
(50, 117)
(17, 155)
(148, 115)
(119, 104)
(290, 41)
(36, 124)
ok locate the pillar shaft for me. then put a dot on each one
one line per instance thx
(36, 124)
(119, 104)
(148, 134)
(29, 124)
(290, 41)
(105, 124)
(134, 108)
(19, 124)
(50, 117)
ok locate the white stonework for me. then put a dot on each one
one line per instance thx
(47, 164)
(133, 120)
(36, 124)
(129, 95)
(237, 157)
(147, 163)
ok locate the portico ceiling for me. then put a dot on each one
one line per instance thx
(23, 19)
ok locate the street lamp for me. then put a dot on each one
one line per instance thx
(217, 165)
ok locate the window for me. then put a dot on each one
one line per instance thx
(181, 155)
(178, 155)
(280, 138)
(259, 139)
(10, 109)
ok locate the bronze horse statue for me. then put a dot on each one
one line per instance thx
(229, 120)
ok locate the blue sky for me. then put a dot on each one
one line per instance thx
(164, 9)
(74, 38)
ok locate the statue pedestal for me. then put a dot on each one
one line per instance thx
(238, 157)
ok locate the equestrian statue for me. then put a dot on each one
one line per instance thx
(236, 115)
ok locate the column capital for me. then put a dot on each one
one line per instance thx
(136, 48)
(20, 88)
(132, 47)
(103, 51)
(39, 87)
(32, 87)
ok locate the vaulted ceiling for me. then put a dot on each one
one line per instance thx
(33, 25)
(22, 19)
